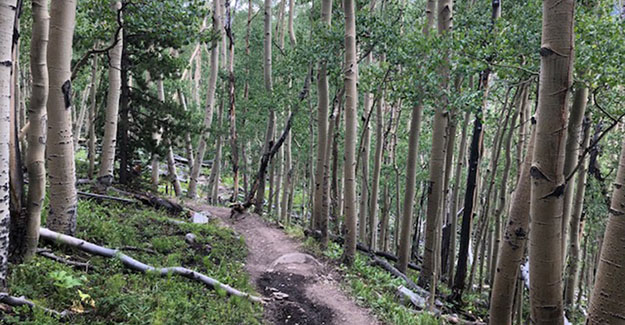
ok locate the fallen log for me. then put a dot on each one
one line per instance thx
(138, 266)
(159, 203)
(63, 260)
(417, 300)
(22, 301)
(361, 247)
(105, 197)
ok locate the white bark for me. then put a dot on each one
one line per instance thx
(60, 144)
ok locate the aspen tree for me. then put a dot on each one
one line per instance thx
(7, 19)
(107, 161)
(35, 156)
(556, 58)
(210, 103)
(606, 302)
(351, 121)
(437, 162)
(60, 144)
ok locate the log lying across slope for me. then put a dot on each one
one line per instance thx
(133, 264)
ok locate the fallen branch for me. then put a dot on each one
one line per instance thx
(361, 247)
(22, 301)
(63, 260)
(136, 265)
(106, 197)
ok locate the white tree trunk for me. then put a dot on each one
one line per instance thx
(60, 144)
(107, 162)
(7, 16)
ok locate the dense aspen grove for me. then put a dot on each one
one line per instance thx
(312, 162)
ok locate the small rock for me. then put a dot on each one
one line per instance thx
(190, 238)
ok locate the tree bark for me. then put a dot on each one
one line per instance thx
(351, 104)
(210, 103)
(576, 228)
(574, 134)
(512, 248)
(107, 161)
(321, 220)
(548, 162)
(60, 144)
(292, 38)
(377, 167)
(437, 163)
(454, 200)
(411, 174)
(92, 116)
(234, 146)
(271, 122)
(606, 303)
(35, 156)
(7, 21)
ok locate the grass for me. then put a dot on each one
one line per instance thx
(372, 287)
(111, 294)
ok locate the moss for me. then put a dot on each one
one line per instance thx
(109, 293)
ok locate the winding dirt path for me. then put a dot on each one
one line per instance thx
(304, 290)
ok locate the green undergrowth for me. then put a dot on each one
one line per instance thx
(372, 287)
(109, 293)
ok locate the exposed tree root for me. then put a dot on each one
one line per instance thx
(136, 265)
(22, 301)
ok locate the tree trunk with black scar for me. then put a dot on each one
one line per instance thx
(107, 160)
(124, 119)
(454, 200)
(60, 144)
(548, 162)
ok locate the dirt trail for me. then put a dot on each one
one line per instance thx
(305, 291)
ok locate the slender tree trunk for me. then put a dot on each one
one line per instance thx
(92, 116)
(576, 229)
(321, 220)
(213, 183)
(234, 146)
(454, 200)
(351, 104)
(377, 167)
(363, 212)
(503, 192)
(606, 303)
(411, 173)
(80, 121)
(210, 103)
(437, 163)
(188, 145)
(475, 152)
(124, 118)
(292, 38)
(35, 156)
(271, 122)
(107, 161)
(512, 248)
(60, 144)
(548, 162)
(574, 134)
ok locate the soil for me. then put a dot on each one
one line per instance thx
(301, 289)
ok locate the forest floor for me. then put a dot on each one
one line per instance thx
(303, 289)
